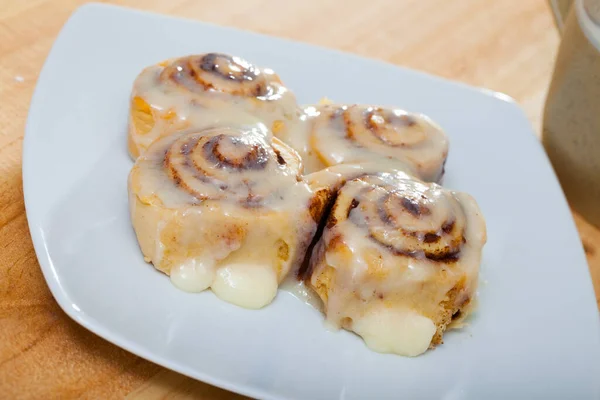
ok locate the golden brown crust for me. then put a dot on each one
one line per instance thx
(455, 301)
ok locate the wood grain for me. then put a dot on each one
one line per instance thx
(507, 46)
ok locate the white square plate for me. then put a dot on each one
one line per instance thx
(536, 332)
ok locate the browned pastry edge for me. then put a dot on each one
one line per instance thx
(450, 310)
(320, 209)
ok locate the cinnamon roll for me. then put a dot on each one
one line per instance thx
(202, 91)
(398, 259)
(223, 208)
(337, 134)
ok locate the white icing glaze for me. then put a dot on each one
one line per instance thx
(399, 331)
(194, 275)
(302, 292)
(248, 286)
(297, 136)
(333, 177)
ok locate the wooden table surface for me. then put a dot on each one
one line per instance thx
(508, 46)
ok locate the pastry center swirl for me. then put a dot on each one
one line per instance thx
(224, 165)
(234, 153)
(392, 128)
(410, 219)
(220, 72)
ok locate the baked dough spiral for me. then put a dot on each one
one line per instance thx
(339, 134)
(223, 208)
(397, 259)
(202, 91)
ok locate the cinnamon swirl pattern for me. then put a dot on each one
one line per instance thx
(397, 260)
(202, 91)
(223, 208)
(339, 134)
